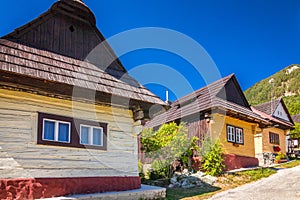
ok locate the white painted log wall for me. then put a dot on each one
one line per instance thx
(20, 156)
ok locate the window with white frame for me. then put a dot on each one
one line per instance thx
(65, 131)
(58, 131)
(235, 134)
(230, 134)
(91, 135)
(239, 136)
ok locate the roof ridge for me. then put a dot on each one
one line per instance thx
(194, 94)
(269, 102)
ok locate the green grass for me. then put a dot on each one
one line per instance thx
(291, 164)
(225, 181)
(180, 193)
(253, 175)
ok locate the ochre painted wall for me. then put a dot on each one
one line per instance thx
(267, 146)
(218, 130)
(22, 157)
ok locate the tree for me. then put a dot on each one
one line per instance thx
(295, 134)
(168, 143)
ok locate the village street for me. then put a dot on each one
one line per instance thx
(285, 184)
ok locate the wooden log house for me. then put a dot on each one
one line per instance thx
(67, 126)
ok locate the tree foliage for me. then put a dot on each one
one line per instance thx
(168, 143)
(286, 84)
(295, 134)
(212, 157)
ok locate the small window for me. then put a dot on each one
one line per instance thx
(57, 131)
(65, 131)
(274, 138)
(230, 134)
(90, 135)
(239, 135)
(235, 134)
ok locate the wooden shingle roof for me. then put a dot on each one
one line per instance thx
(39, 64)
(49, 56)
(268, 107)
(266, 111)
(207, 99)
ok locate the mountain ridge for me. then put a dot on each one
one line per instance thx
(285, 84)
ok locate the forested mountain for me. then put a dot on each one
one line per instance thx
(285, 83)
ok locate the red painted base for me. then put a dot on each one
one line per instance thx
(233, 161)
(32, 188)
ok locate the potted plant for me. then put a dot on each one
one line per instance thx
(280, 158)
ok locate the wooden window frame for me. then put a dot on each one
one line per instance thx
(74, 131)
(274, 138)
(233, 137)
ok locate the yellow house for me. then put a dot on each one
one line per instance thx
(221, 111)
(272, 139)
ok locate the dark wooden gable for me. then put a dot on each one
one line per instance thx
(68, 28)
(232, 92)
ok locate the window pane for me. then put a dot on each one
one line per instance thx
(63, 132)
(84, 135)
(49, 128)
(230, 134)
(97, 136)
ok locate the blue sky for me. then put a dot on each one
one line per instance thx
(251, 38)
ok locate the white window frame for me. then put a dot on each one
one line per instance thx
(239, 134)
(230, 133)
(91, 132)
(56, 128)
(235, 134)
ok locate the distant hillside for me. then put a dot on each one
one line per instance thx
(285, 83)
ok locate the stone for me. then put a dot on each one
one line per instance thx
(189, 180)
(209, 179)
(187, 184)
(199, 183)
(173, 180)
(175, 185)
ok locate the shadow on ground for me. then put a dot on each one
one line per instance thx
(179, 193)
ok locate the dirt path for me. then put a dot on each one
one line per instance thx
(284, 185)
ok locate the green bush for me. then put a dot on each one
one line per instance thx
(280, 156)
(168, 143)
(160, 169)
(212, 158)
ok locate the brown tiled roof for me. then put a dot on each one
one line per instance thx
(273, 119)
(268, 107)
(38, 64)
(202, 100)
(296, 118)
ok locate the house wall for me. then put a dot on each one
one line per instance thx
(267, 146)
(236, 155)
(21, 157)
(218, 130)
(264, 150)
